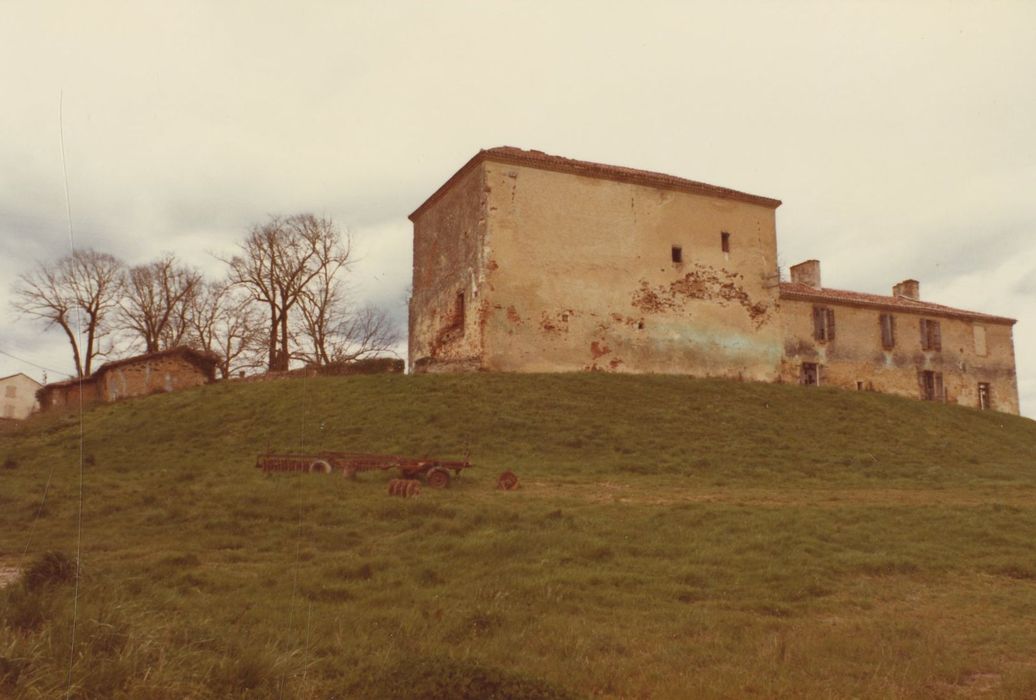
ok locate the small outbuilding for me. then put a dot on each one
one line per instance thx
(167, 370)
(18, 394)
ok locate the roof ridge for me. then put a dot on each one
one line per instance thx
(586, 168)
(887, 301)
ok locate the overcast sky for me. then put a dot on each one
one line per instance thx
(901, 137)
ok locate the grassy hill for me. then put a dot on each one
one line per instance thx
(672, 538)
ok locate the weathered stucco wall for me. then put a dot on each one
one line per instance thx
(445, 329)
(579, 275)
(17, 396)
(855, 358)
(149, 376)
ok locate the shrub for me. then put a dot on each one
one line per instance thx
(50, 567)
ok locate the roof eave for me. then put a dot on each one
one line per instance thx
(595, 170)
(921, 310)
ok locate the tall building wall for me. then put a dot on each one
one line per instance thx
(445, 305)
(581, 275)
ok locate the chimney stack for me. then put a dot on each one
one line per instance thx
(909, 289)
(807, 273)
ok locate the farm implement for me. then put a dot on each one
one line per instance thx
(435, 472)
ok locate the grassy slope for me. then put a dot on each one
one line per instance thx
(673, 537)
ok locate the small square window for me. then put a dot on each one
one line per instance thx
(677, 254)
(810, 375)
(725, 241)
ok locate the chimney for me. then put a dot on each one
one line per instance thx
(909, 289)
(807, 273)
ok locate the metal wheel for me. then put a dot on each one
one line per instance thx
(438, 478)
(507, 481)
(321, 466)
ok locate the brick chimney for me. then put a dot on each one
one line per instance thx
(909, 289)
(807, 273)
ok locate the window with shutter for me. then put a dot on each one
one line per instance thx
(931, 385)
(823, 323)
(931, 335)
(888, 331)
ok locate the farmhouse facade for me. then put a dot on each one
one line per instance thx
(18, 396)
(536, 263)
(168, 370)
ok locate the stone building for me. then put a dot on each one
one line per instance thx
(168, 370)
(536, 263)
(18, 396)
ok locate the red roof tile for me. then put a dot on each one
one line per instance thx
(544, 161)
(797, 290)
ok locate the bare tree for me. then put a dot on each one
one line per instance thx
(227, 324)
(278, 262)
(155, 306)
(77, 294)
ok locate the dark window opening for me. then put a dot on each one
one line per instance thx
(888, 331)
(931, 335)
(985, 400)
(458, 314)
(931, 386)
(725, 241)
(640, 325)
(859, 386)
(677, 254)
(823, 323)
(810, 374)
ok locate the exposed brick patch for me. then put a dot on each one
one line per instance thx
(704, 283)
(599, 349)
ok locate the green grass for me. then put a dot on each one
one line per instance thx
(672, 538)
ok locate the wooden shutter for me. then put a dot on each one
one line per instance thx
(936, 335)
(888, 331)
(920, 384)
(818, 323)
(938, 390)
(924, 334)
(830, 324)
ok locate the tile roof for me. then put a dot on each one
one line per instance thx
(203, 360)
(797, 290)
(545, 161)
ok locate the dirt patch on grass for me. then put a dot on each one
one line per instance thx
(612, 492)
(8, 574)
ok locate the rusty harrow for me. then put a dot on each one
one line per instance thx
(436, 472)
(404, 487)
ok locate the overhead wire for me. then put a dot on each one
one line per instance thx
(79, 337)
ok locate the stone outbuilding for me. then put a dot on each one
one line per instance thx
(530, 262)
(18, 396)
(164, 371)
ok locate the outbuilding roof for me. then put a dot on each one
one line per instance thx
(803, 292)
(545, 161)
(204, 361)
